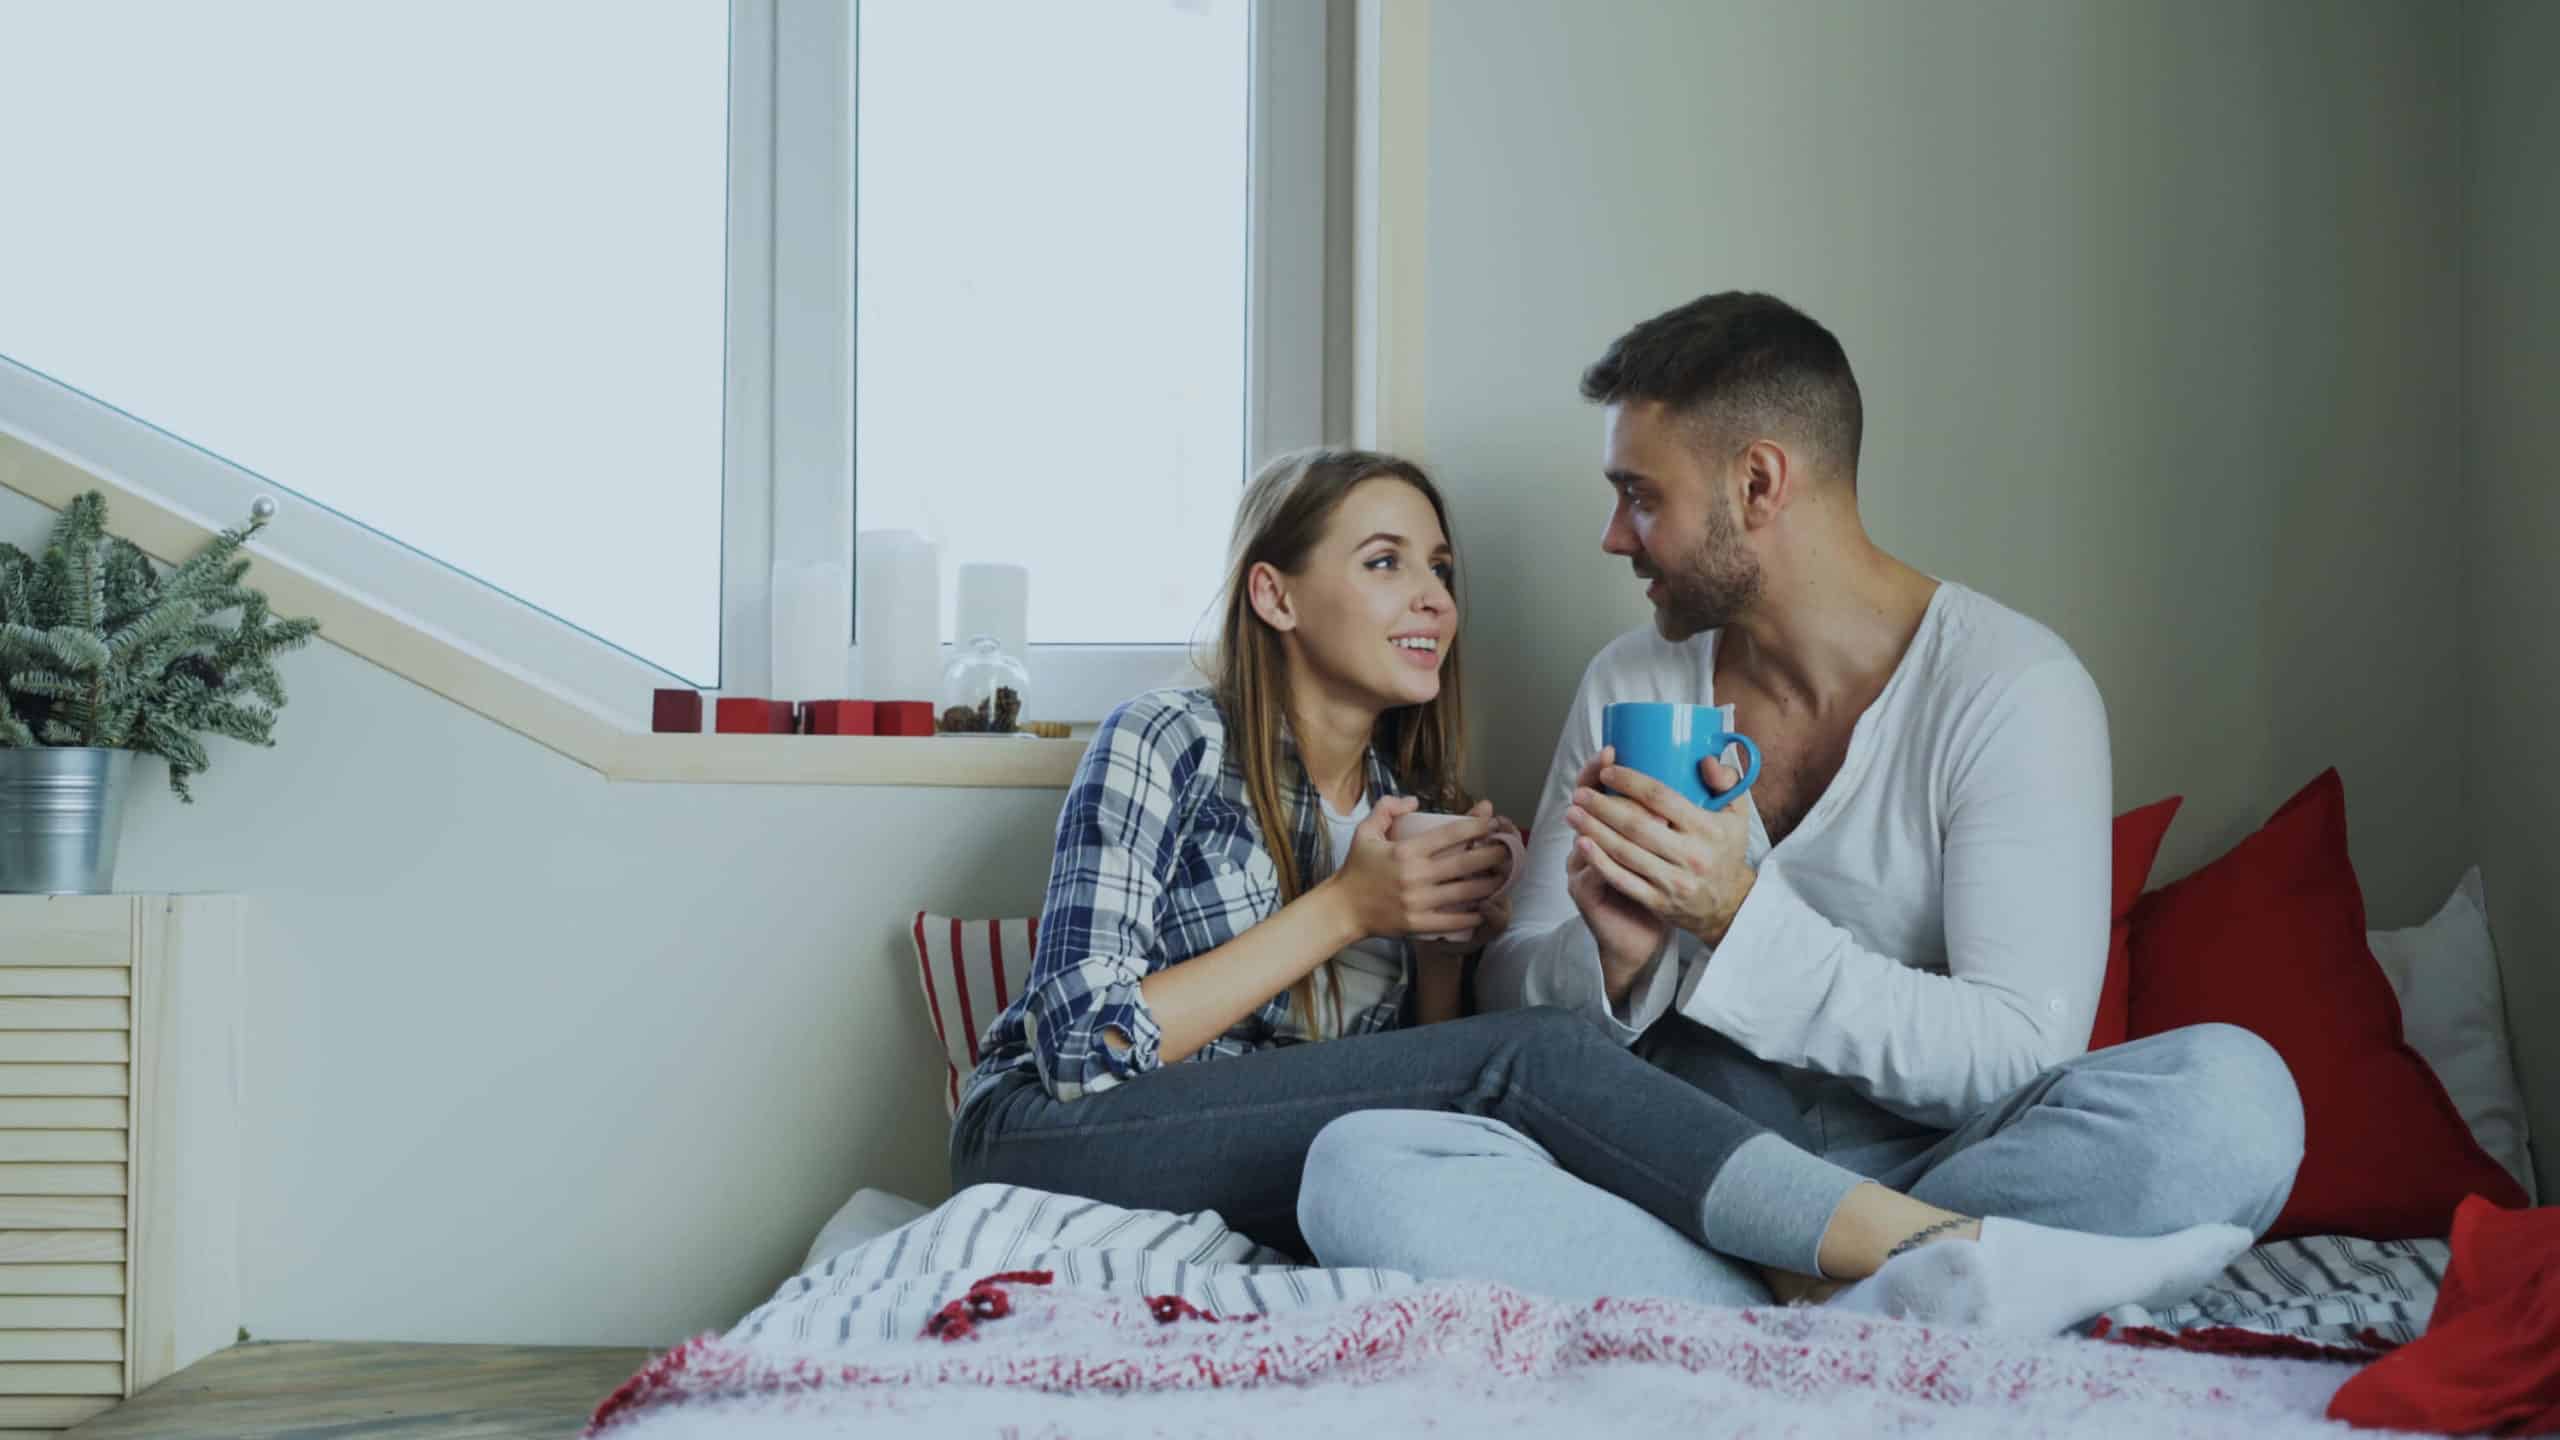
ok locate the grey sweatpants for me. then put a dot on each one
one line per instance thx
(2191, 1127)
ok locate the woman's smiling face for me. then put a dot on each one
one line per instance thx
(1373, 612)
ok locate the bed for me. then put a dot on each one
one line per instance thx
(1007, 1310)
(1013, 1311)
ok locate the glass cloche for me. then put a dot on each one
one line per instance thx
(984, 690)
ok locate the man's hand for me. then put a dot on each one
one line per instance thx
(1629, 935)
(1653, 848)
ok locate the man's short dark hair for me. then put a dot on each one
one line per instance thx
(1741, 364)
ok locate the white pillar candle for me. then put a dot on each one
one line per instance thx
(898, 616)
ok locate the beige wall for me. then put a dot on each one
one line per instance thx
(531, 1057)
(2511, 493)
(2155, 307)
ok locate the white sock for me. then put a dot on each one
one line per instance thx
(2032, 1279)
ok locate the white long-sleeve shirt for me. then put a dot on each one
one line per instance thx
(1931, 936)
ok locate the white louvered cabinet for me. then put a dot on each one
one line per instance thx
(119, 1146)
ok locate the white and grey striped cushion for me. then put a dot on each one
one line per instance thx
(2329, 1289)
(885, 1289)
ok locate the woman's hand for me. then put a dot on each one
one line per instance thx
(1493, 915)
(1428, 885)
(1492, 918)
(1439, 966)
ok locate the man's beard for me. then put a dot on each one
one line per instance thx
(1719, 580)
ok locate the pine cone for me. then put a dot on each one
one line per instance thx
(200, 668)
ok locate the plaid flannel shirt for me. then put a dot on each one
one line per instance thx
(1158, 860)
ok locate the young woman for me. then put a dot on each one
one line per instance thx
(1226, 963)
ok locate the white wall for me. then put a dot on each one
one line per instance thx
(2155, 308)
(536, 1058)
(2511, 493)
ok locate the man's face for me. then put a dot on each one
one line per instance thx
(1674, 520)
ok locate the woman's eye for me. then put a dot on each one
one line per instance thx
(1446, 571)
(1386, 561)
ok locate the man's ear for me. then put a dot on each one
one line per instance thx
(1268, 591)
(1769, 479)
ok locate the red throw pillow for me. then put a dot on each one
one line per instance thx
(2271, 938)
(2137, 844)
(2484, 1365)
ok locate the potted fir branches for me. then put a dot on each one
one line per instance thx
(102, 658)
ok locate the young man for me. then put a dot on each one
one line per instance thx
(1889, 950)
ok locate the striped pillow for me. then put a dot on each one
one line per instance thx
(971, 970)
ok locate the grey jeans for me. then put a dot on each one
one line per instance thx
(2186, 1128)
(1231, 1135)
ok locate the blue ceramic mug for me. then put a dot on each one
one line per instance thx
(1666, 741)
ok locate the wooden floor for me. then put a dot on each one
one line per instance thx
(299, 1390)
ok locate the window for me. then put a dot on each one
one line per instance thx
(569, 322)
(1051, 285)
(1089, 300)
(454, 272)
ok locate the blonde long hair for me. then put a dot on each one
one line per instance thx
(1282, 516)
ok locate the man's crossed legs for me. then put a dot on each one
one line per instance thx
(2195, 1126)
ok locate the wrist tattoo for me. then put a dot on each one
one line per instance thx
(1921, 1236)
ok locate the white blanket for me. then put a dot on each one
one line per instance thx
(1092, 1345)
(886, 1288)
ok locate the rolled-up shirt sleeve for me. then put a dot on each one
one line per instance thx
(1087, 1021)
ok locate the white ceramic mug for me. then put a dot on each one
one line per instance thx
(1423, 821)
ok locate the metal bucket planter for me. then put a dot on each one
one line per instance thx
(60, 810)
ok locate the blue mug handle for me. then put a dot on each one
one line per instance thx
(1750, 767)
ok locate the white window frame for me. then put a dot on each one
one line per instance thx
(1284, 318)
(787, 443)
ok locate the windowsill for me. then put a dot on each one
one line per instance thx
(541, 711)
(1001, 762)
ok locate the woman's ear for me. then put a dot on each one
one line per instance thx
(1268, 591)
